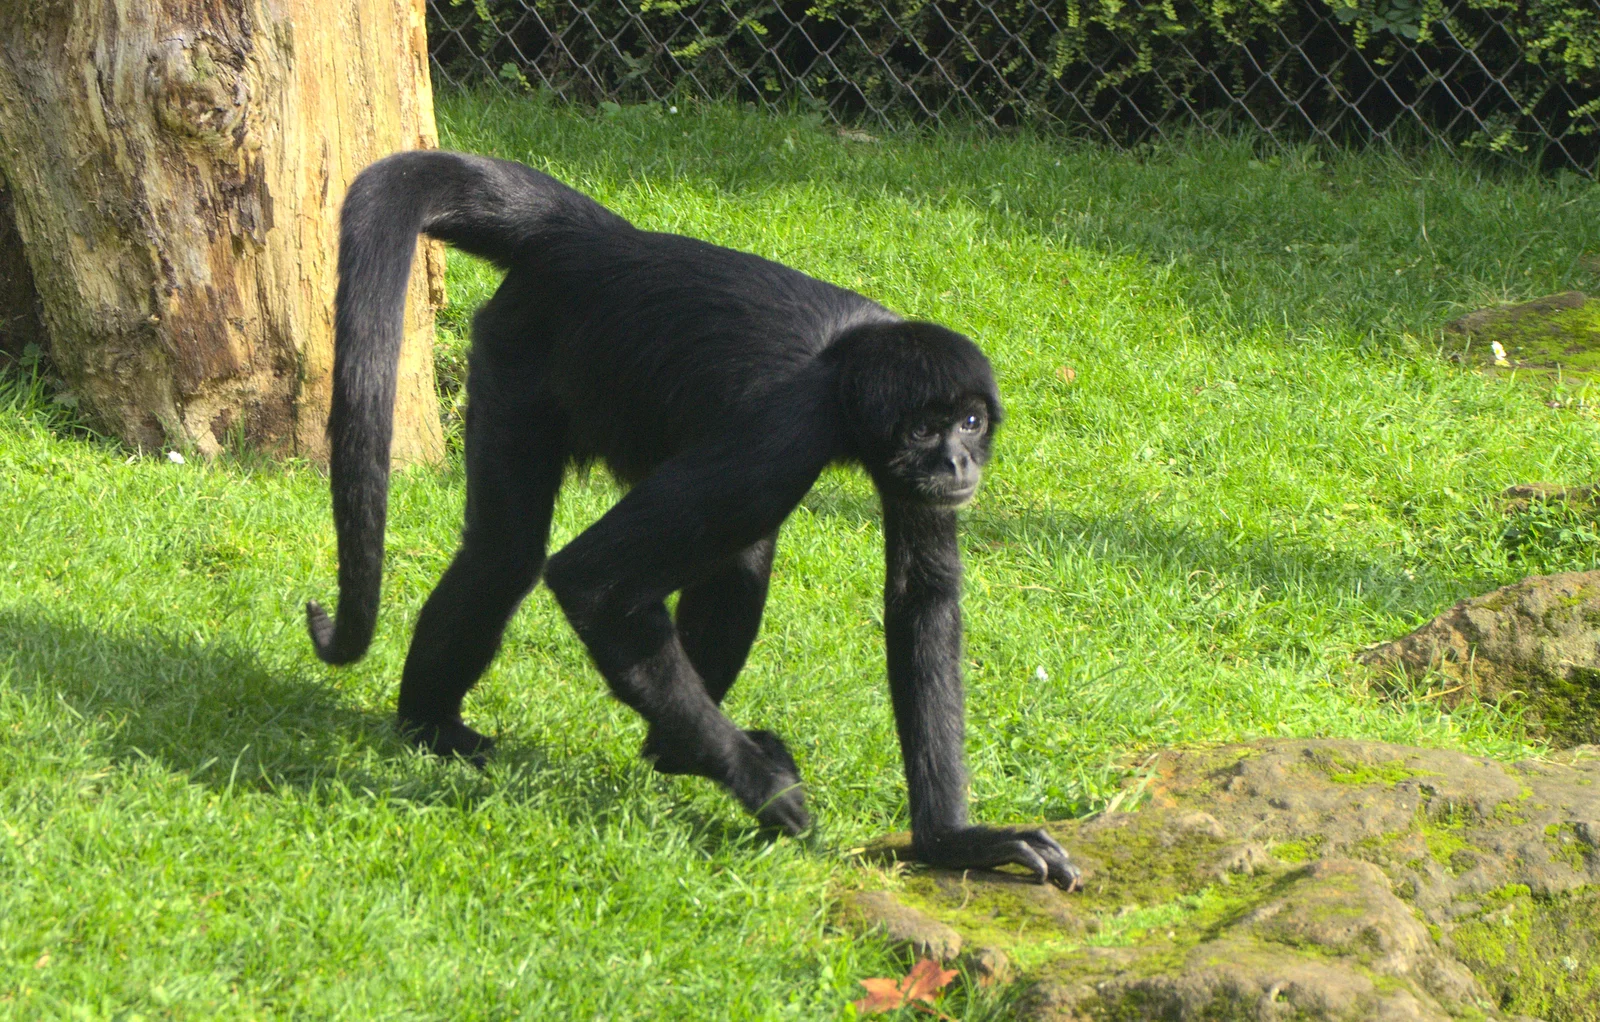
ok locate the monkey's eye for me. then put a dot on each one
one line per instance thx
(972, 423)
(922, 431)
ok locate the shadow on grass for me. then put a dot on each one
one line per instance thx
(219, 716)
(196, 708)
(1163, 547)
(1360, 244)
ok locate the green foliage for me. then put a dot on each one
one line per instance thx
(1550, 532)
(1534, 69)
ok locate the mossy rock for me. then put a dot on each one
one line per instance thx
(1327, 880)
(1526, 496)
(1557, 333)
(1535, 644)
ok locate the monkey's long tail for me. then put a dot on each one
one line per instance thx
(491, 208)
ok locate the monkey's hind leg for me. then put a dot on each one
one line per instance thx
(513, 474)
(719, 615)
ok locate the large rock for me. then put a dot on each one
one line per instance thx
(1317, 880)
(1536, 643)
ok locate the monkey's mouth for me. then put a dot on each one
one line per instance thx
(949, 497)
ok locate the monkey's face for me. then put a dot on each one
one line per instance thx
(939, 453)
(919, 407)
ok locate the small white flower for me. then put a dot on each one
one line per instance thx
(175, 457)
(1499, 353)
(672, 109)
(1040, 673)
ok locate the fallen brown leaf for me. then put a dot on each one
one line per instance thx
(1067, 374)
(882, 995)
(926, 980)
(919, 989)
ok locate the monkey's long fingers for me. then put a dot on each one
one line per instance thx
(1059, 869)
(782, 806)
(786, 812)
(988, 847)
(1020, 853)
(1046, 864)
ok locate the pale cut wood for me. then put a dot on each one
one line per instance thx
(176, 169)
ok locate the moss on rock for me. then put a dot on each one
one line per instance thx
(1556, 333)
(1327, 880)
(1536, 956)
(1535, 644)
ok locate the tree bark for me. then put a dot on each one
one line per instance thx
(176, 170)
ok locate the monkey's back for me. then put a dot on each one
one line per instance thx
(672, 338)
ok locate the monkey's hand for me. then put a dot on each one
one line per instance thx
(769, 786)
(765, 778)
(988, 847)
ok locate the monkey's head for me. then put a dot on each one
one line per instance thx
(920, 409)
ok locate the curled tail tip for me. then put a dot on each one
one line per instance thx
(324, 635)
(321, 628)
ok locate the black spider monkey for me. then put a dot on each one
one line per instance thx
(718, 385)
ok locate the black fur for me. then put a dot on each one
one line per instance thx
(716, 384)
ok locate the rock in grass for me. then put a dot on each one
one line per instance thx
(1536, 643)
(1383, 882)
(1525, 496)
(922, 935)
(1557, 332)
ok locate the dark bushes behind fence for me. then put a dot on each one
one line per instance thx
(1497, 75)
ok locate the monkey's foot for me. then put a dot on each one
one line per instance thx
(450, 738)
(988, 847)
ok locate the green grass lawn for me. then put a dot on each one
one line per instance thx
(1233, 456)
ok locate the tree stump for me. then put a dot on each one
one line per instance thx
(176, 171)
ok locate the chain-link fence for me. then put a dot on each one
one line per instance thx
(1495, 75)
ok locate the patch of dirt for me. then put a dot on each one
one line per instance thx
(1306, 879)
(1536, 643)
(1557, 333)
